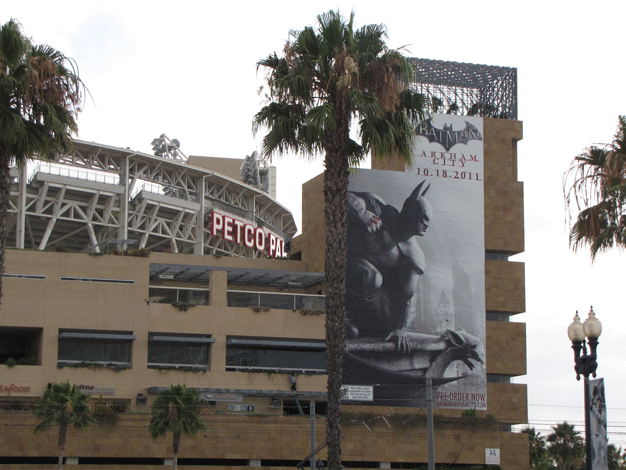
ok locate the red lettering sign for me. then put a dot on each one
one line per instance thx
(14, 388)
(238, 231)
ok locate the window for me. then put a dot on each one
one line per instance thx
(271, 354)
(497, 316)
(20, 346)
(97, 347)
(178, 351)
(170, 295)
(275, 300)
(303, 407)
(496, 256)
(94, 279)
(498, 378)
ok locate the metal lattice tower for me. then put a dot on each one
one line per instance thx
(467, 89)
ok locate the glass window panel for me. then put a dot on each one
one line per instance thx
(275, 358)
(199, 297)
(89, 350)
(242, 299)
(162, 296)
(183, 295)
(284, 302)
(310, 302)
(238, 357)
(178, 353)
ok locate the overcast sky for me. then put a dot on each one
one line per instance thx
(190, 71)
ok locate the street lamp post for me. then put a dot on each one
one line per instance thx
(585, 363)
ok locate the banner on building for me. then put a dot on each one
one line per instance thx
(597, 412)
(415, 282)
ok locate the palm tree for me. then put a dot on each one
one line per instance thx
(537, 454)
(616, 457)
(61, 405)
(177, 409)
(566, 447)
(595, 187)
(40, 96)
(328, 78)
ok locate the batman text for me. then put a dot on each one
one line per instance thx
(448, 159)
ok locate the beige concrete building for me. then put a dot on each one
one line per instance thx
(124, 327)
(127, 272)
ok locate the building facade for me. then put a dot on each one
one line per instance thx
(222, 317)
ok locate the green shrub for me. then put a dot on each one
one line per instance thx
(10, 362)
(120, 405)
(104, 414)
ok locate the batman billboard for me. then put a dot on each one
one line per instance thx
(415, 281)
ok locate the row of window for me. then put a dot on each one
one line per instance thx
(77, 347)
(249, 354)
(201, 296)
(165, 350)
(239, 298)
(192, 351)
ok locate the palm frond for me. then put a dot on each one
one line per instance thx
(594, 189)
(63, 403)
(13, 44)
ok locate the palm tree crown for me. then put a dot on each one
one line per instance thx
(63, 405)
(328, 78)
(40, 96)
(565, 446)
(537, 451)
(177, 410)
(595, 186)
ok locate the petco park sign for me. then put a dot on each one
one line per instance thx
(244, 233)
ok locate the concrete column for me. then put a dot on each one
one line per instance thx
(218, 281)
(199, 248)
(21, 209)
(124, 178)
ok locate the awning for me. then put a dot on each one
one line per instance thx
(78, 335)
(181, 339)
(269, 343)
(241, 276)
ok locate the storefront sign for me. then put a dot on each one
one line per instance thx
(357, 392)
(246, 408)
(97, 389)
(13, 389)
(244, 233)
(221, 396)
(492, 456)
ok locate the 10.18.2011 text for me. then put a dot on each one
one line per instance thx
(454, 174)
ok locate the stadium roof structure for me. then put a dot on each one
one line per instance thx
(100, 196)
(467, 89)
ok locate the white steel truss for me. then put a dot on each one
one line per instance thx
(100, 193)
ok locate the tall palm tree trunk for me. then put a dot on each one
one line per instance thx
(176, 446)
(62, 439)
(5, 186)
(335, 213)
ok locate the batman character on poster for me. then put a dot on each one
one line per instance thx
(415, 282)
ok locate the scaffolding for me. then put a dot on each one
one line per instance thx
(467, 89)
